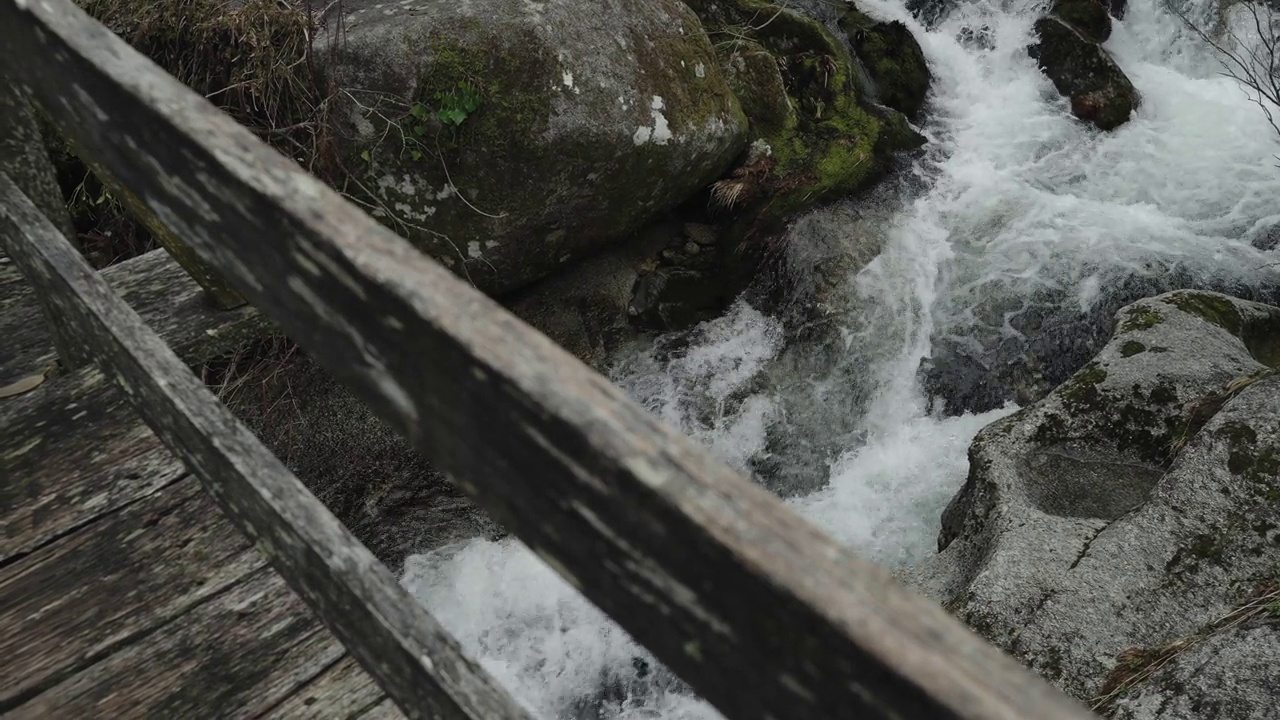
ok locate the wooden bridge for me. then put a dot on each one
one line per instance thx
(158, 561)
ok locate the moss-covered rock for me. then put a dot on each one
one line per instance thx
(1080, 69)
(506, 137)
(814, 137)
(892, 58)
(756, 80)
(1134, 504)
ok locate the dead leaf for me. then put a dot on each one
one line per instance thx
(25, 385)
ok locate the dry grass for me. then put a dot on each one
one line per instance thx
(255, 374)
(1136, 665)
(252, 58)
(1201, 410)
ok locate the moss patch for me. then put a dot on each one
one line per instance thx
(1212, 308)
(826, 146)
(1131, 348)
(892, 58)
(1081, 391)
(1248, 459)
(1141, 318)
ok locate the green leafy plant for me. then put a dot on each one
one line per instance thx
(458, 104)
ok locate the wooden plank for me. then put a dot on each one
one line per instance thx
(166, 297)
(178, 310)
(414, 659)
(343, 690)
(80, 598)
(27, 347)
(24, 159)
(759, 611)
(385, 710)
(72, 450)
(234, 656)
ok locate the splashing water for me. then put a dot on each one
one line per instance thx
(1019, 201)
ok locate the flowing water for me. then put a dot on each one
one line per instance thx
(1015, 208)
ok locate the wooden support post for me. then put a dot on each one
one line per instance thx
(24, 159)
(217, 290)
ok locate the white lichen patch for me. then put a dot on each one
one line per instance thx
(567, 79)
(700, 70)
(473, 250)
(660, 133)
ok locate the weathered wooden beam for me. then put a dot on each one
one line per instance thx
(23, 158)
(415, 660)
(759, 611)
(169, 301)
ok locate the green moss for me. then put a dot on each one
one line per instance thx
(1141, 318)
(512, 103)
(1081, 391)
(1245, 459)
(1216, 309)
(893, 59)
(1131, 348)
(825, 144)
(754, 77)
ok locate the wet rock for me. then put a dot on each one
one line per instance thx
(892, 58)
(981, 367)
(981, 37)
(583, 308)
(754, 77)
(1084, 72)
(826, 143)
(1088, 17)
(1119, 520)
(929, 12)
(685, 284)
(605, 120)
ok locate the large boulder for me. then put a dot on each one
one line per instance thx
(506, 137)
(1110, 528)
(1080, 68)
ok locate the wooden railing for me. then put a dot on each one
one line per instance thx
(761, 613)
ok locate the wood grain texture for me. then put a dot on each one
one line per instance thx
(385, 710)
(73, 449)
(168, 300)
(80, 598)
(234, 656)
(760, 612)
(414, 659)
(342, 690)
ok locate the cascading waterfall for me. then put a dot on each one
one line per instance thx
(1020, 205)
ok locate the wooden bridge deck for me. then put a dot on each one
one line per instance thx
(124, 590)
